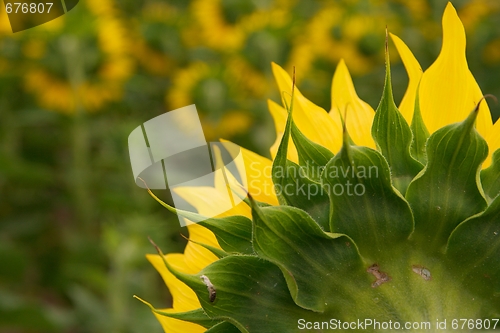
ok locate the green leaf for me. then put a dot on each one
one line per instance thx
(292, 184)
(312, 156)
(420, 134)
(233, 233)
(394, 137)
(251, 294)
(223, 327)
(490, 177)
(289, 238)
(446, 192)
(474, 252)
(364, 205)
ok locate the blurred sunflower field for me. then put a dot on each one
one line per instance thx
(73, 225)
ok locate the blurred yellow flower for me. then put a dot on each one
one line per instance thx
(334, 34)
(184, 81)
(491, 53)
(247, 78)
(231, 123)
(216, 30)
(419, 9)
(200, 82)
(475, 10)
(56, 93)
(151, 57)
(34, 49)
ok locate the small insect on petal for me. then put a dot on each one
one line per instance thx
(210, 287)
(422, 271)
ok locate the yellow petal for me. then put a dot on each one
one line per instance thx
(258, 171)
(205, 199)
(493, 143)
(414, 71)
(359, 114)
(258, 181)
(280, 115)
(200, 234)
(448, 91)
(171, 325)
(226, 182)
(196, 257)
(184, 298)
(312, 120)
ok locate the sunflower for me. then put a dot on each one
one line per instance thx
(279, 274)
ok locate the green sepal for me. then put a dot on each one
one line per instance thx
(447, 191)
(301, 192)
(490, 177)
(363, 203)
(393, 136)
(260, 203)
(312, 156)
(233, 233)
(284, 235)
(251, 294)
(473, 251)
(197, 316)
(223, 327)
(292, 184)
(279, 168)
(420, 133)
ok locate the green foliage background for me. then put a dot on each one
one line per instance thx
(73, 225)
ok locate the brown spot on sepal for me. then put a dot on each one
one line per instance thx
(422, 271)
(381, 277)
